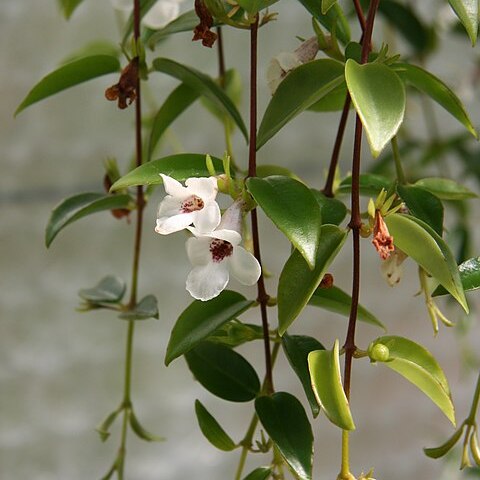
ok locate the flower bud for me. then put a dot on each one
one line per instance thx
(378, 352)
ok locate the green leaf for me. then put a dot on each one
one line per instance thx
(333, 20)
(408, 24)
(420, 242)
(336, 300)
(286, 422)
(378, 95)
(419, 367)
(333, 102)
(146, 308)
(292, 208)
(297, 282)
(437, 91)
(223, 372)
(370, 184)
(201, 319)
(184, 23)
(235, 333)
(423, 205)
(261, 473)
(203, 85)
(297, 348)
(268, 170)
(324, 366)
(332, 211)
(140, 431)
(175, 104)
(300, 89)
(74, 208)
(180, 167)
(469, 276)
(254, 6)
(327, 5)
(443, 449)
(109, 289)
(467, 12)
(68, 6)
(104, 428)
(212, 430)
(96, 47)
(445, 189)
(69, 75)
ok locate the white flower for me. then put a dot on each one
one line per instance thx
(195, 203)
(285, 62)
(392, 267)
(159, 15)
(218, 254)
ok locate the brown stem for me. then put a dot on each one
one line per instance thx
(360, 15)
(221, 57)
(262, 297)
(356, 221)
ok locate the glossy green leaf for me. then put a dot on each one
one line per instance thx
(223, 372)
(378, 95)
(423, 205)
(254, 6)
(469, 276)
(261, 473)
(408, 24)
(370, 184)
(445, 189)
(467, 12)
(140, 431)
(420, 242)
(268, 170)
(333, 20)
(201, 319)
(419, 366)
(327, 5)
(109, 289)
(336, 300)
(74, 208)
(184, 23)
(324, 366)
(286, 423)
(292, 208)
(175, 104)
(298, 283)
(437, 91)
(69, 75)
(333, 102)
(300, 89)
(146, 308)
(180, 167)
(332, 211)
(203, 85)
(212, 430)
(235, 333)
(297, 348)
(68, 6)
(440, 451)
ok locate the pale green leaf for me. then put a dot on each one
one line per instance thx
(467, 12)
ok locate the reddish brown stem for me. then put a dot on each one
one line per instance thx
(356, 221)
(262, 297)
(221, 57)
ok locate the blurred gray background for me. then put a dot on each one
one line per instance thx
(61, 371)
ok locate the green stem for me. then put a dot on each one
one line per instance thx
(473, 409)
(398, 162)
(247, 440)
(345, 468)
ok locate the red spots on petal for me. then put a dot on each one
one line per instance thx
(192, 204)
(220, 249)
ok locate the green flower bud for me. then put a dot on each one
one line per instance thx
(378, 352)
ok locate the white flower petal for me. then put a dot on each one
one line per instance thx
(229, 235)
(208, 218)
(174, 187)
(175, 223)
(169, 206)
(204, 187)
(244, 266)
(198, 250)
(161, 14)
(207, 281)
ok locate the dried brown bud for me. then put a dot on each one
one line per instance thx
(382, 240)
(202, 30)
(126, 87)
(327, 281)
